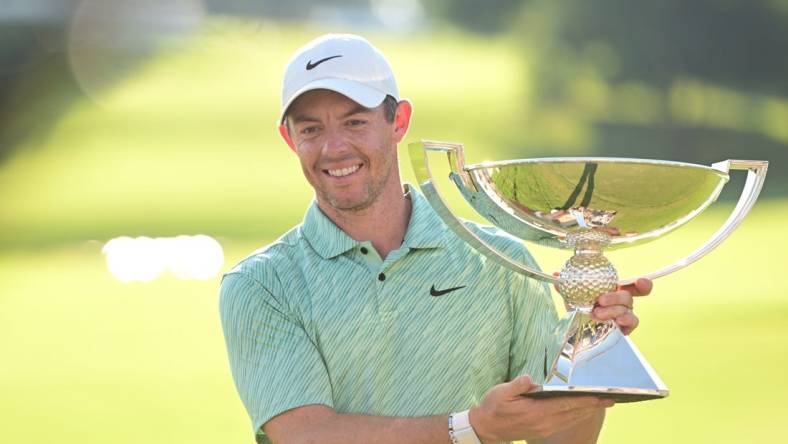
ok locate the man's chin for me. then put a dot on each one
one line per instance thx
(348, 204)
(350, 207)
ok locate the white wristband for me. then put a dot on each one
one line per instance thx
(460, 429)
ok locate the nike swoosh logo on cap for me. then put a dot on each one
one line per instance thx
(310, 66)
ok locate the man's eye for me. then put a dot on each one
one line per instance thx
(309, 130)
(356, 122)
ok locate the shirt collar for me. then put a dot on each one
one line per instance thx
(326, 238)
(424, 229)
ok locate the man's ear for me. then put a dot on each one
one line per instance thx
(402, 119)
(286, 135)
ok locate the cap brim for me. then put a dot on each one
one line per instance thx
(361, 94)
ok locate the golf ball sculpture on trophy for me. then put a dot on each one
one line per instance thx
(589, 205)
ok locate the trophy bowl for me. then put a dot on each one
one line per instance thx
(588, 204)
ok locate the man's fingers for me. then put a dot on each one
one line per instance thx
(608, 313)
(640, 287)
(570, 418)
(623, 316)
(519, 385)
(585, 411)
(618, 297)
(627, 322)
(569, 403)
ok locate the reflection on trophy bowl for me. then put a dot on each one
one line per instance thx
(630, 200)
(590, 205)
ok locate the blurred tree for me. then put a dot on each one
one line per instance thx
(695, 81)
(292, 9)
(741, 44)
(491, 16)
(35, 81)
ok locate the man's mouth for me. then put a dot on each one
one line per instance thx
(342, 172)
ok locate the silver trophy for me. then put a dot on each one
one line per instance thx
(589, 205)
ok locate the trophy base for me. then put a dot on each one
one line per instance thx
(616, 394)
(596, 359)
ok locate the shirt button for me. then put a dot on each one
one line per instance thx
(381, 277)
(364, 250)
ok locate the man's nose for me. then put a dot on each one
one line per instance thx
(334, 140)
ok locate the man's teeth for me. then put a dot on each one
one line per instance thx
(343, 171)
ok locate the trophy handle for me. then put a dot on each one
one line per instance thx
(421, 168)
(756, 174)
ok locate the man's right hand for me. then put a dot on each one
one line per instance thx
(505, 415)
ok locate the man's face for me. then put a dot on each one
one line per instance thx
(347, 152)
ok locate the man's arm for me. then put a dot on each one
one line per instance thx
(321, 424)
(503, 415)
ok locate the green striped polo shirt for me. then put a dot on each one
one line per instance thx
(319, 318)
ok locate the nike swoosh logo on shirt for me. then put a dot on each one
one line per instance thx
(434, 292)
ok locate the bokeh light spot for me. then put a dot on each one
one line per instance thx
(143, 259)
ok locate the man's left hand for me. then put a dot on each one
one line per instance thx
(617, 305)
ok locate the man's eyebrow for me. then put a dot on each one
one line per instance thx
(298, 118)
(358, 109)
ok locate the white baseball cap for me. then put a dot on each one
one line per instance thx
(345, 63)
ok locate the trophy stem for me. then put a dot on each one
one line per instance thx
(588, 273)
(587, 348)
(580, 336)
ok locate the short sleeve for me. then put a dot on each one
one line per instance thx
(275, 365)
(534, 343)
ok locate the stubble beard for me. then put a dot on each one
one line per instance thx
(372, 190)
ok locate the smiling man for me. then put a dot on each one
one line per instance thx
(370, 322)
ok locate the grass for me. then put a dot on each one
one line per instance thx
(186, 144)
(87, 359)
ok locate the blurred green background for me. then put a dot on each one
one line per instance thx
(157, 118)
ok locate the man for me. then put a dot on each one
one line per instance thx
(370, 322)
